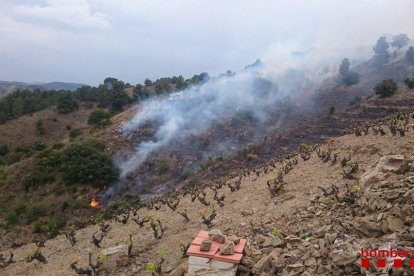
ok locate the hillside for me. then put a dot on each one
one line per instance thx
(310, 160)
(324, 233)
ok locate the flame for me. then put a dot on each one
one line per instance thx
(95, 203)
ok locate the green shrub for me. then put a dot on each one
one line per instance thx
(66, 103)
(52, 226)
(58, 146)
(96, 144)
(386, 88)
(39, 175)
(351, 78)
(11, 217)
(151, 268)
(37, 227)
(409, 82)
(99, 118)
(4, 150)
(39, 146)
(40, 129)
(5, 177)
(86, 165)
(75, 132)
(33, 212)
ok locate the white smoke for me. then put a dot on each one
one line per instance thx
(192, 111)
(258, 89)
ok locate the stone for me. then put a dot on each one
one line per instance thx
(206, 245)
(277, 242)
(385, 165)
(217, 236)
(247, 261)
(245, 213)
(227, 248)
(367, 227)
(113, 257)
(310, 262)
(234, 239)
(265, 262)
(267, 242)
(392, 224)
(342, 258)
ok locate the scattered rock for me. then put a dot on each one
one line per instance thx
(114, 257)
(367, 227)
(245, 213)
(385, 165)
(234, 239)
(217, 236)
(265, 262)
(393, 224)
(206, 245)
(227, 248)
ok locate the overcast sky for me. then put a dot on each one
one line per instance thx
(85, 41)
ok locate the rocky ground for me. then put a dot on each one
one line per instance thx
(307, 214)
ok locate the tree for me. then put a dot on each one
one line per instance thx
(344, 67)
(66, 103)
(386, 88)
(399, 40)
(351, 78)
(40, 129)
(409, 82)
(82, 164)
(410, 54)
(4, 150)
(348, 77)
(148, 82)
(381, 55)
(99, 118)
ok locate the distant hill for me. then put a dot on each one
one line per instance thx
(7, 87)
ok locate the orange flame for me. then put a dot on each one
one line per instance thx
(95, 203)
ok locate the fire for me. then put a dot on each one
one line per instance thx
(95, 203)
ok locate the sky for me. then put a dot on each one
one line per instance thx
(86, 41)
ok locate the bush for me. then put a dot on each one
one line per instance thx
(86, 165)
(331, 110)
(96, 144)
(33, 212)
(37, 227)
(39, 146)
(50, 227)
(11, 217)
(386, 88)
(40, 129)
(39, 175)
(409, 83)
(58, 146)
(75, 132)
(66, 103)
(351, 78)
(4, 150)
(78, 164)
(99, 118)
(410, 54)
